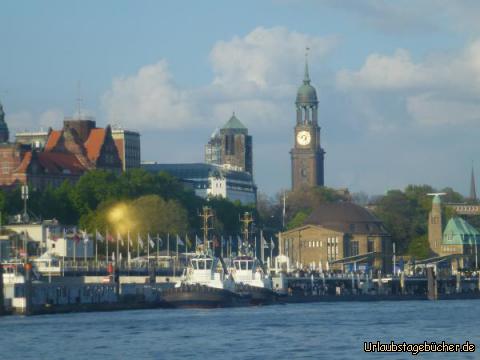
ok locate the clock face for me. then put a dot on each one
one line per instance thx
(303, 137)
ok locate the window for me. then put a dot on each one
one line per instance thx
(370, 245)
(353, 248)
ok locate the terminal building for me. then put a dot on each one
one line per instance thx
(210, 180)
(339, 236)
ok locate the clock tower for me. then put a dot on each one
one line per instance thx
(307, 154)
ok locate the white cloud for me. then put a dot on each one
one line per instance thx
(26, 121)
(441, 89)
(265, 57)
(253, 75)
(428, 109)
(149, 99)
(381, 72)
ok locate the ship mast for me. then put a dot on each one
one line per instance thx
(206, 214)
(246, 220)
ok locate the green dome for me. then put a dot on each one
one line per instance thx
(307, 94)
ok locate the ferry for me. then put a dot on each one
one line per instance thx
(205, 283)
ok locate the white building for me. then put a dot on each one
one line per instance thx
(53, 238)
(209, 180)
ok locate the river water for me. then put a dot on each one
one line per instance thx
(293, 331)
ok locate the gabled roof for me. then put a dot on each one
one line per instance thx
(94, 143)
(460, 232)
(58, 163)
(53, 139)
(27, 158)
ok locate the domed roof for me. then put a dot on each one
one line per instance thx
(306, 93)
(346, 217)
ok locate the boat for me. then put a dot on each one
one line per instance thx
(205, 283)
(250, 279)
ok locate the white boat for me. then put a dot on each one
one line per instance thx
(250, 278)
(205, 283)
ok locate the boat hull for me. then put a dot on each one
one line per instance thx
(258, 295)
(201, 296)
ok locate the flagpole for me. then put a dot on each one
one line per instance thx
(128, 249)
(168, 244)
(96, 248)
(118, 250)
(106, 234)
(271, 250)
(148, 250)
(138, 245)
(262, 245)
(158, 246)
(221, 248)
(85, 247)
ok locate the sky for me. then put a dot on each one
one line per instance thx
(398, 82)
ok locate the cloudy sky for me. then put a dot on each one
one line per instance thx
(398, 81)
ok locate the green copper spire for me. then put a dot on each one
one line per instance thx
(306, 77)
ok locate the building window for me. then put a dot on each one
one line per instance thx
(353, 248)
(370, 245)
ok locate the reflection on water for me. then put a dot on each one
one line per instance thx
(321, 331)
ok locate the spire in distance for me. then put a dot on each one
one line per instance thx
(306, 77)
(473, 191)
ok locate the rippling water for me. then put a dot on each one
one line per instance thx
(294, 331)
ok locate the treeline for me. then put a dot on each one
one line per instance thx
(157, 203)
(404, 212)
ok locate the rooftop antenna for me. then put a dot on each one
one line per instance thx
(79, 100)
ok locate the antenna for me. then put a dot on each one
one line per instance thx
(79, 100)
(246, 220)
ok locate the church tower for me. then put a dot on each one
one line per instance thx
(3, 126)
(435, 228)
(307, 154)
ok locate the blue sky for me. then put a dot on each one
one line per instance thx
(398, 82)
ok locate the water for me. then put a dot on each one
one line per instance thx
(294, 331)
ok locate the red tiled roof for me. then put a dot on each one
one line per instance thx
(94, 143)
(58, 162)
(53, 139)
(25, 162)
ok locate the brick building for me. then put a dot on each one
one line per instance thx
(68, 153)
(340, 236)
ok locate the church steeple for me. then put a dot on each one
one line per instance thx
(306, 77)
(307, 155)
(4, 134)
(473, 191)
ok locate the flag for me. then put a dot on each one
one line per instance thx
(99, 236)
(109, 237)
(222, 241)
(198, 240)
(150, 241)
(119, 238)
(179, 241)
(140, 241)
(272, 244)
(265, 243)
(85, 237)
(76, 237)
(216, 243)
(159, 239)
(187, 240)
(129, 239)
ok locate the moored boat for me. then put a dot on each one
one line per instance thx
(205, 284)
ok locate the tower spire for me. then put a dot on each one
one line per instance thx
(473, 192)
(306, 77)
